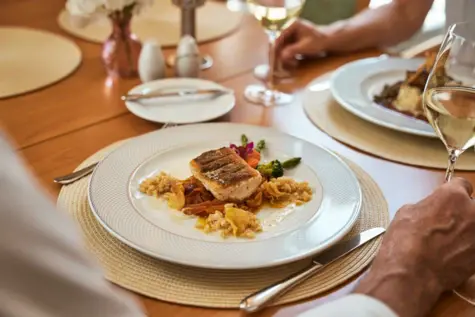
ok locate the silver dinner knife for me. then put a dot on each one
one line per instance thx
(181, 93)
(260, 299)
(72, 177)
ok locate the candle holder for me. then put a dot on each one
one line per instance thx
(188, 27)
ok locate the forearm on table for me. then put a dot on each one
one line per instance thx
(384, 26)
(44, 268)
(408, 292)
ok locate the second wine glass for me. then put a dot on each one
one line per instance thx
(274, 16)
(449, 96)
(449, 104)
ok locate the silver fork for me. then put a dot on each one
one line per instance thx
(75, 176)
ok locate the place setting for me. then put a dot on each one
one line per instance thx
(376, 105)
(413, 111)
(209, 214)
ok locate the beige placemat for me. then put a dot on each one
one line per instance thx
(396, 146)
(162, 23)
(31, 59)
(214, 288)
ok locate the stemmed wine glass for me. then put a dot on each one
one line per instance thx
(449, 104)
(274, 16)
(260, 71)
(449, 94)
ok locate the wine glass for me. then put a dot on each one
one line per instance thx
(274, 16)
(449, 94)
(262, 71)
(449, 104)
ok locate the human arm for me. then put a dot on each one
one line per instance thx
(383, 26)
(44, 269)
(429, 248)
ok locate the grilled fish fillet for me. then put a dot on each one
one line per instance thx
(225, 174)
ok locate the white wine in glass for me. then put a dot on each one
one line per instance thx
(449, 104)
(451, 111)
(274, 16)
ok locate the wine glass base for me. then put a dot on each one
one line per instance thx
(206, 61)
(464, 297)
(262, 72)
(265, 97)
(466, 291)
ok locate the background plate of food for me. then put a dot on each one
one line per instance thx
(225, 196)
(386, 91)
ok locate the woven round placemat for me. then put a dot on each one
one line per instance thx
(161, 22)
(54, 58)
(392, 145)
(215, 288)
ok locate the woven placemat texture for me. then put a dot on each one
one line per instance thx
(395, 146)
(215, 288)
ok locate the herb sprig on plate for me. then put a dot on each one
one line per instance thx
(252, 155)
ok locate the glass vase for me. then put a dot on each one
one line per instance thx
(121, 50)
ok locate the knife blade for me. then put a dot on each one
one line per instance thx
(262, 298)
(181, 93)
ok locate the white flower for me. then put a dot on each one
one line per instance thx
(83, 7)
(79, 21)
(91, 8)
(144, 3)
(117, 5)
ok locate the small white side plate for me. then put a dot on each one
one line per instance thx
(355, 84)
(180, 110)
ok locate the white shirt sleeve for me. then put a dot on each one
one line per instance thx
(354, 305)
(44, 269)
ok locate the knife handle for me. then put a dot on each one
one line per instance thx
(71, 178)
(262, 298)
(182, 93)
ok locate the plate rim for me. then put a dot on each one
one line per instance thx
(224, 112)
(346, 228)
(363, 115)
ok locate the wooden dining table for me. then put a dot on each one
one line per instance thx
(57, 127)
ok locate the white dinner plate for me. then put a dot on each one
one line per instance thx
(180, 110)
(148, 225)
(355, 84)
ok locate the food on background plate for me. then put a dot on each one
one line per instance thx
(406, 96)
(228, 187)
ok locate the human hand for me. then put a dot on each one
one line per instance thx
(300, 38)
(437, 234)
(429, 248)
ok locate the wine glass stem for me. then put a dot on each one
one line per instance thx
(272, 57)
(453, 156)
